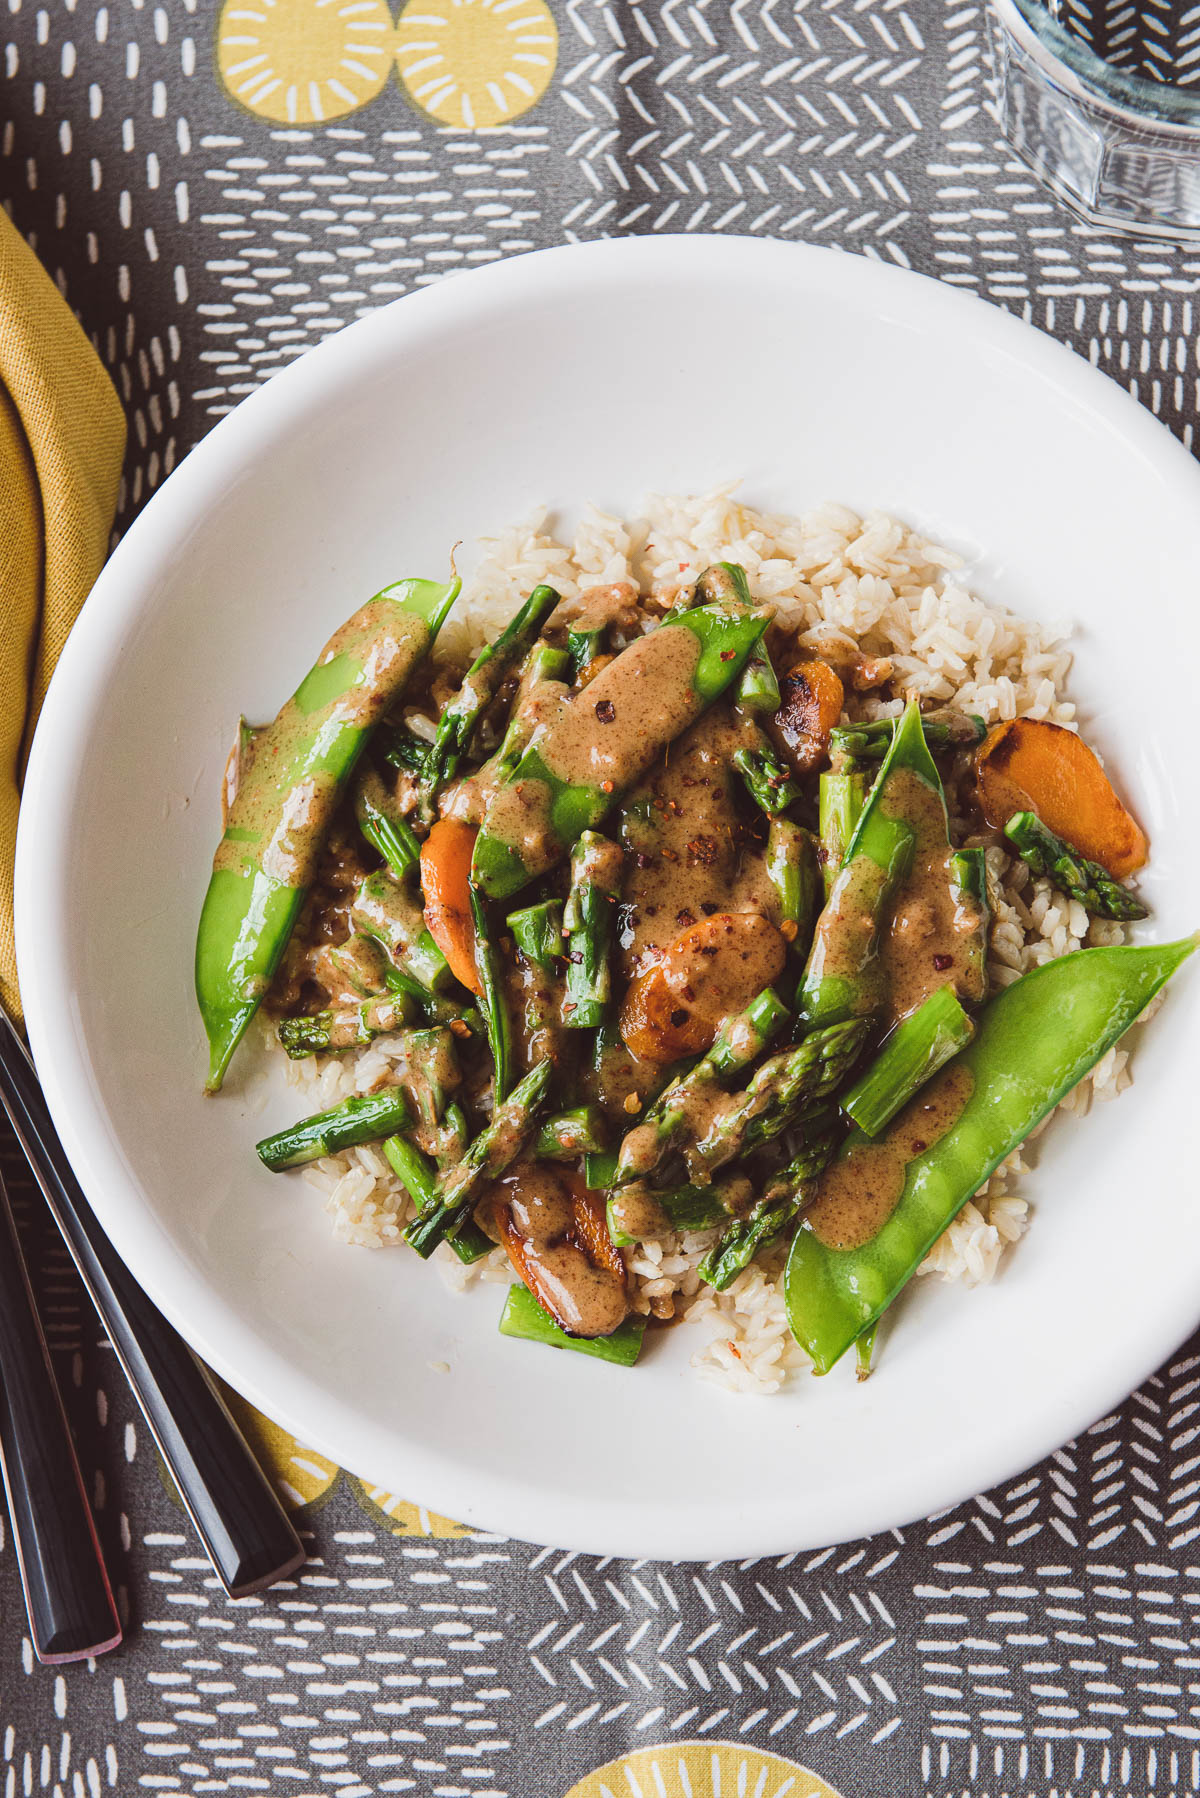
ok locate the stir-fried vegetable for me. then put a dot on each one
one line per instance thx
(1073, 874)
(1030, 765)
(570, 775)
(844, 976)
(882, 1205)
(481, 683)
(809, 710)
(286, 800)
(712, 1020)
(446, 885)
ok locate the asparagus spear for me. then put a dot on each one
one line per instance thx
(364, 1118)
(793, 868)
(538, 933)
(568, 1134)
(785, 1086)
(495, 1006)
(383, 909)
(767, 778)
(400, 749)
(739, 1041)
(844, 976)
(480, 685)
(345, 1026)
(920, 1044)
(596, 869)
(786, 1194)
(387, 831)
(461, 1016)
(1093, 886)
(870, 742)
(427, 1068)
(524, 1317)
(842, 797)
(417, 1174)
(637, 1212)
(542, 664)
(661, 683)
(494, 1149)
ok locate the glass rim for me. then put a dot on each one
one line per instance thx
(1156, 105)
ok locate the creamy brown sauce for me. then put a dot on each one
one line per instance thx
(470, 798)
(617, 1077)
(519, 813)
(585, 1300)
(378, 644)
(925, 936)
(862, 1188)
(687, 857)
(924, 944)
(384, 909)
(618, 725)
(846, 939)
(637, 1213)
(596, 608)
(533, 1004)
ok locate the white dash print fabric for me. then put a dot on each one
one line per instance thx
(215, 188)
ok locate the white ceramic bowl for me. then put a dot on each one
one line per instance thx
(604, 371)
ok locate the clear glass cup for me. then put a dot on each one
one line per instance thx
(1121, 149)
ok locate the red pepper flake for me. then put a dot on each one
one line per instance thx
(942, 962)
(727, 655)
(606, 711)
(606, 786)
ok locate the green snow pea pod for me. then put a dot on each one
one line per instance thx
(601, 740)
(280, 815)
(844, 976)
(882, 1205)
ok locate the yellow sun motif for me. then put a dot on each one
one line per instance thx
(701, 1770)
(476, 63)
(304, 62)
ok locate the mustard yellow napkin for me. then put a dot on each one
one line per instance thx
(62, 438)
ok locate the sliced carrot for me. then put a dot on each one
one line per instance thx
(656, 1026)
(587, 1234)
(812, 698)
(446, 886)
(710, 972)
(1029, 764)
(591, 1226)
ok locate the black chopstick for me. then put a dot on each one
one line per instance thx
(67, 1595)
(245, 1530)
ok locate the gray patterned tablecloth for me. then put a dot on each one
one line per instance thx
(215, 190)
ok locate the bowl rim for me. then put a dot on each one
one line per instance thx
(216, 1330)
